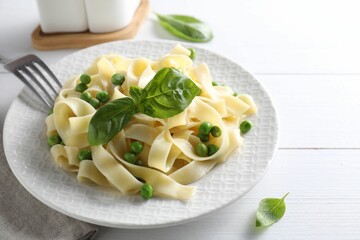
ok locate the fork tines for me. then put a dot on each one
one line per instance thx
(35, 74)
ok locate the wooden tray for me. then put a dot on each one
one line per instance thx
(51, 41)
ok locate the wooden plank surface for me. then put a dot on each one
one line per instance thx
(316, 111)
(274, 36)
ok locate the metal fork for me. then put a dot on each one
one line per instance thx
(35, 74)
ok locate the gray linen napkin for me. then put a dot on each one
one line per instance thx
(24, 217)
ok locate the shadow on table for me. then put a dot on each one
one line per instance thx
(252, 232)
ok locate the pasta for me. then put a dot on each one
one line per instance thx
(169, 160)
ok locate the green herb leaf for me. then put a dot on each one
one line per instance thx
(186, 27)
(109, 120)
(270, 211)
(136, 94)
(167, 94)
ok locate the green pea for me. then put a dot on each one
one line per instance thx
(192, 53)
(86, 96)
(214, 83)
(85, 78)
(136, 147)
(95, 103)
(102, 96)
(205, 128)
(201, 150)
(215, 131)
(81, 87)
(130, 157)
(146, 191)
(53, 140)
(245, 126)
(212, 149)
(84, 155)
(204, 137)
(118, 79)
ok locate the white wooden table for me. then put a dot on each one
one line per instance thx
(306, 53)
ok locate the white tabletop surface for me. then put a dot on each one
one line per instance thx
(306, 53)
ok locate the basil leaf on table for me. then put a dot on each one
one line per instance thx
(270, 211)
(109, 120)
(167, 94)
(186, 27)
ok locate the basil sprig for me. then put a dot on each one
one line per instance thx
(166, 95)
(109, 120)
(186, 27)
(270, 211)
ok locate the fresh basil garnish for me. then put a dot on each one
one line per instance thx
(166, 95)
(186, 27)
(270, 211)
(109, 120)
(136, 94)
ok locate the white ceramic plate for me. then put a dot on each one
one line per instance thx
(28, 154)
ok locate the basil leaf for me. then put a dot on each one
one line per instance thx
(136, 94)
(109, 120)
(186, 27)
(167, 94)
(270, 211)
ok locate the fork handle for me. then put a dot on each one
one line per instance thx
(4, 60)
